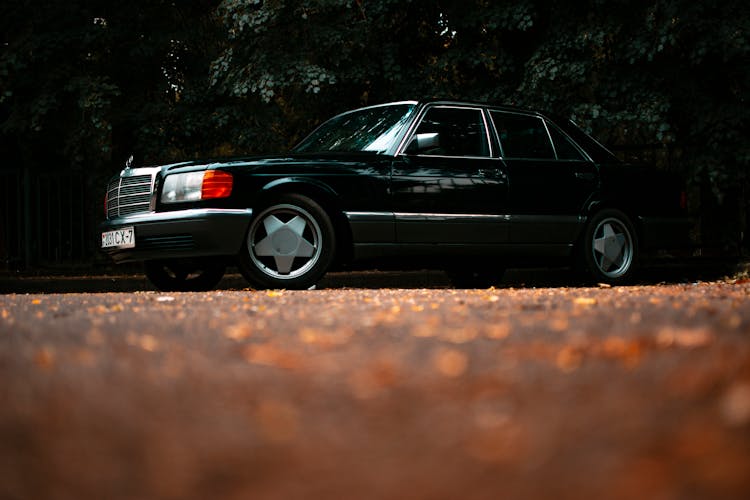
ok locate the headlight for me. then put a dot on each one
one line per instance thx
(195, 186)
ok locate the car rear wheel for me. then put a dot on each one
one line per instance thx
(290, 244)
(610, 247)
(184, 275)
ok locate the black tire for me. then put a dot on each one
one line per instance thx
(184, 275)
(290, 244)
(610, 247)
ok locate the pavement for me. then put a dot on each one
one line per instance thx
(368, 389)
(114, 280)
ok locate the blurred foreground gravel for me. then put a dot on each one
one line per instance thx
(632, 392)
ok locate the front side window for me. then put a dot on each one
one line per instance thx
(446, 131)
(368, 130)
(522, 136)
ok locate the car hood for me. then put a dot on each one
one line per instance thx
(281, 161)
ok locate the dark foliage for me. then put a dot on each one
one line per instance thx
(83, 84)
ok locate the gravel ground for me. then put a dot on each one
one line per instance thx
(425, 393)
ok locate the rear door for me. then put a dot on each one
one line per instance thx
(550, 179)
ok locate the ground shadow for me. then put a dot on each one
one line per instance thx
(671, 272)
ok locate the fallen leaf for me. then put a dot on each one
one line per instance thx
(450, 362)
(148, 343)
(568, 359)
(498, 331)
(459, 335)
(45, 358)
(270, 355)
(584, 301)
(735, 405)
(238, 331)
(683, 337)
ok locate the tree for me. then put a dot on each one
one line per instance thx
(84, 84)
(665, 74)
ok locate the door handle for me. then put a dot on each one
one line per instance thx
(489, 172)
(585, 176)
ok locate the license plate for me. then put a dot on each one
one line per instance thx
(119, 238)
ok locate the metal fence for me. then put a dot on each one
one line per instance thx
(43, 222)
(12, 232)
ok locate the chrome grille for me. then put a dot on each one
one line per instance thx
(128, 195)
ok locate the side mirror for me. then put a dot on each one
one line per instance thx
(423, 142)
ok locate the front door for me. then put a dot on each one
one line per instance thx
(447, 187)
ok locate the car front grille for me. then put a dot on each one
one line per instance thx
(128, 195)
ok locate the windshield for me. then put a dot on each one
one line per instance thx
(370, 129)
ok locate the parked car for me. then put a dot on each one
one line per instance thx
(468, 187)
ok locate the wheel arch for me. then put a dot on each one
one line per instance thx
(593, 207)
(596, 206)
(322, 194)
(581, 253)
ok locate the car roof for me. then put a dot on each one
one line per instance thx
(501, 107)
(455, 102)
(591, 146)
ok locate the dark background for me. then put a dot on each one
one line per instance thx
(85, 84)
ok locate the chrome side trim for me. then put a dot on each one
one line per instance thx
(461, 157)
(451, 217)
(192, 213)
(487, 132)
(549, 138)
(363, 216)
(530, 219)
(406, 216)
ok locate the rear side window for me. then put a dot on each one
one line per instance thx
(563, 147)
(522, 136)
(455, 132)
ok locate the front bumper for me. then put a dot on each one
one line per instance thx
(181, 234)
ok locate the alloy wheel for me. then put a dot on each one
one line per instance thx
(612, 248)
(285, 242)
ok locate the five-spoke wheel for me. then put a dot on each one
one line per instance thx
(290, 244)
(611, 247)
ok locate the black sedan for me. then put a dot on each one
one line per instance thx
(471, 188)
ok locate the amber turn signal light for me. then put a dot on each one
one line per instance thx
(216, 184)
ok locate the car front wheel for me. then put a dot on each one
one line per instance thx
(290, 244)
(610, 247)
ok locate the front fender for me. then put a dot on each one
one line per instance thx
(304, 182)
